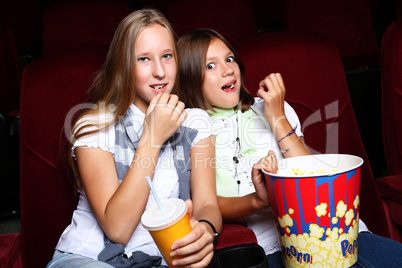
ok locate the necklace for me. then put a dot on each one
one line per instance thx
(237, 154)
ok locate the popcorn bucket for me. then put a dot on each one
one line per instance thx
(315, 200)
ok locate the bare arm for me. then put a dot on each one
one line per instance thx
(236, 209)
(203, 183)
(118, 207)
(272, 91)
(197, 247)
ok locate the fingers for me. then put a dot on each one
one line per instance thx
(179, 110)
(196, 248)
(272, 91)
(165, 114)
(272, 82)
(159, 100)
(270, 87)
(201, 259)
(153, 102)
(270, 162)
(167, 101)
(261, 193)
(183, 117)
(189, 205)
(280, 79)
(171, 102)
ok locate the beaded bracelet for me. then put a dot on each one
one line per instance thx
(290, 133)
(284, 151)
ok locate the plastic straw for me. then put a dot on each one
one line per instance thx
(154, 194)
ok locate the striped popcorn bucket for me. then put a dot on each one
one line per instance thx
(315, 200)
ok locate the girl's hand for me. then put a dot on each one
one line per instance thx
(164, 116)
(197, 247)
(272, 91)
(270, 164)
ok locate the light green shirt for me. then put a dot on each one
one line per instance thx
(226, 183)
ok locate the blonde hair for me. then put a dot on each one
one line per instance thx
(113, 87)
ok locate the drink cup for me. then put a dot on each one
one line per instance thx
(168, 226)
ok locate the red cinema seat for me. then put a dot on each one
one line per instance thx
(348, 23)
(232, 18)
(51, 87)
(392, 96)
(316, 88)
(391, 73)
(72, 23)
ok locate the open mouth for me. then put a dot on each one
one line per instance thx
(158, 87)
(228, 87)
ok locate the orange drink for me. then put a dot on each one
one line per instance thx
(168, 226)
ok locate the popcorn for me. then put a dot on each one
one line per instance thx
(298, 171)
(316, 231)
(285, 221)
(291, 211)
(320, 247)
(317, 216)
(321, 209)
(349, 216)
(340, 209)
(356, 202)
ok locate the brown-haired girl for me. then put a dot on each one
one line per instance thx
(246, 128)
(251, 133)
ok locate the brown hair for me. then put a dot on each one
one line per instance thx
(113, 87)
(192, 50)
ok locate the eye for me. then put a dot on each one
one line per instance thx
(230, 59)
(167, 56)
(143, 59)
(210, 66)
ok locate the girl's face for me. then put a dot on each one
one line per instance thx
(155, 67)
(222, 81)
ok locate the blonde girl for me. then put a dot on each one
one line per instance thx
(135, 129)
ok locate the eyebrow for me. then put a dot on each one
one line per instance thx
(230, 53)
(167, 50)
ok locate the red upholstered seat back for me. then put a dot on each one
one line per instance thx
(392, 96)
(316, 88)
(348, 23)
(51, 86)
(71, 23)
(232, 18)
(391, 77)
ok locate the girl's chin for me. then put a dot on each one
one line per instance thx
(227, 105)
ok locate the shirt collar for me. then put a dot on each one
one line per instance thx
(221, 112)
